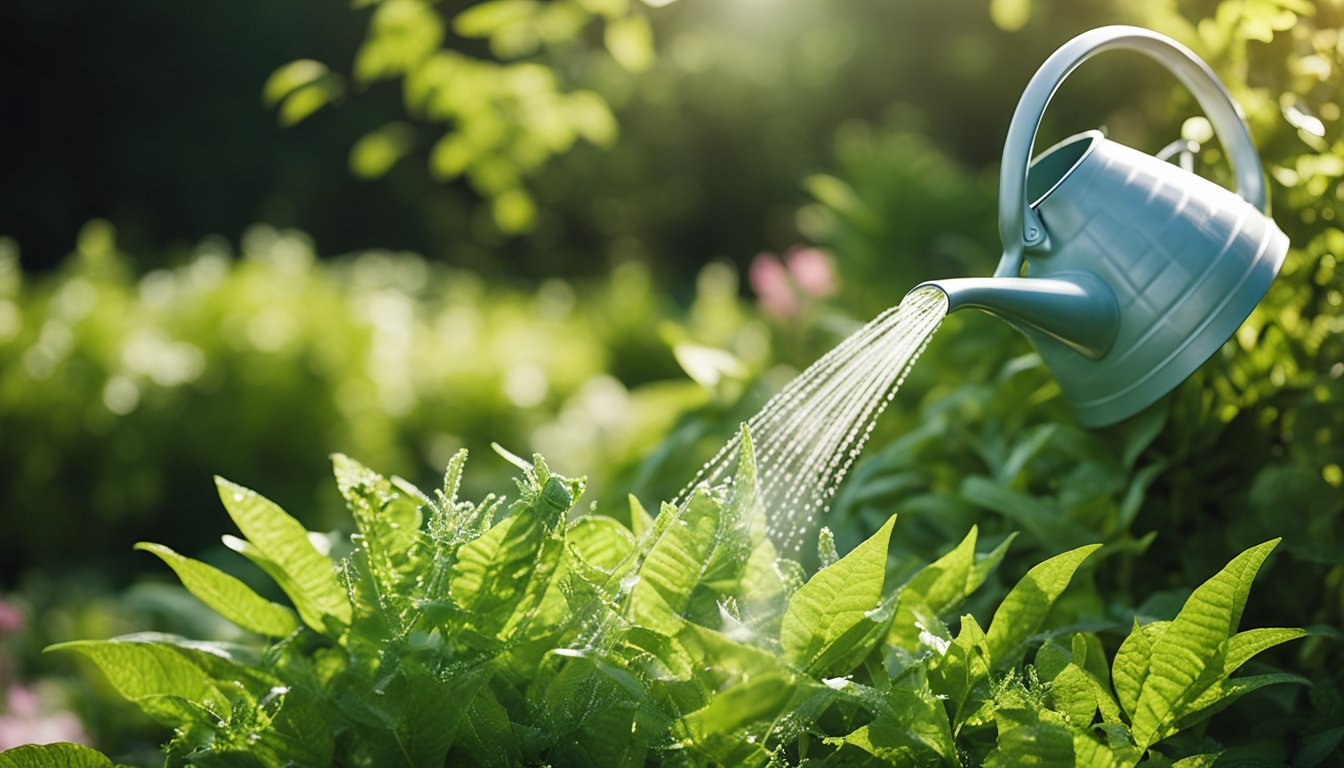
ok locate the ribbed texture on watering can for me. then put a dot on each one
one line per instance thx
(1187, 260)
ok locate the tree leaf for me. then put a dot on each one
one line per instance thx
(305, 575)
(836, 600)
(228, 596)
(1023, 611)
(629, 39)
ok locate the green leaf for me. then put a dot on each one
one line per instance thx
(602, 542)
(304, 101)
(835, 601)
(760, 698)
(374, 154)
(58, 755)
(629, 39)
(1023, 611)
(158, 678)
(1044, 519)
(591, 118)
(640, 519)
(492, 17)
(986, 564)
(1242, 646)
(306, 576)
(493, 572)
(592, 719)
(388, 521)
(1224, 693)
(1031, 738)
(1131, 664)
(1089, 752)
(682, 542)
(911, 729)
(1193, 639)
(290, 77)
(228, 596)
(487, 738)
(936, 589)
(962, 665)
(1198, 761)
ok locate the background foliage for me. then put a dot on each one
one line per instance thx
(156, 354)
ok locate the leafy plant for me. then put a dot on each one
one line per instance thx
(506, 113)
(498, 633)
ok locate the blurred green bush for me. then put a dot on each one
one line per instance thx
(121, 394)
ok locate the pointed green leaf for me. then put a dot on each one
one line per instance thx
(1031, 738)
(228, 596)
(1194, 639)
(1224, 693)
(911, 728)
(1131, 665)
(486, 736)
(640, 519)
(674, 566)
(58, 755)
(492, 572)
(1023, 611)
(386, 517)
(306, 576)
(760, 698)
(986, 564)
(157, 678)
(1242, 646)
(936, 589)
(836, 600)
(961, 667)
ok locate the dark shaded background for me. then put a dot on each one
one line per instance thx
(149, 114)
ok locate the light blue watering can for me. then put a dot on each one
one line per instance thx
(1137, 270)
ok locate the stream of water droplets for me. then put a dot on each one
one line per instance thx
(807, 436)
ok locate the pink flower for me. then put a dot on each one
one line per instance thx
(771, 282)
(10, 619)
(25, 723)
(812, 271)
(782, 289)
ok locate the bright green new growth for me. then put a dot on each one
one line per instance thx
(536, 632)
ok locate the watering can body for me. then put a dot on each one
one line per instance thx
(1137, 270)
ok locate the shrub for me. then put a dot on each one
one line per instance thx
(534, 631)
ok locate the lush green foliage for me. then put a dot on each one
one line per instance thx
(498, 633)
(1247, 449)
(276, 356)
(506, 117)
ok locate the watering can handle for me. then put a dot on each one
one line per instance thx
(1019, 226)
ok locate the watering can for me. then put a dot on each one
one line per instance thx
(1137, 270)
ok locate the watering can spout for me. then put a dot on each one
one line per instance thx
(1137, 270)
(1077, 310)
